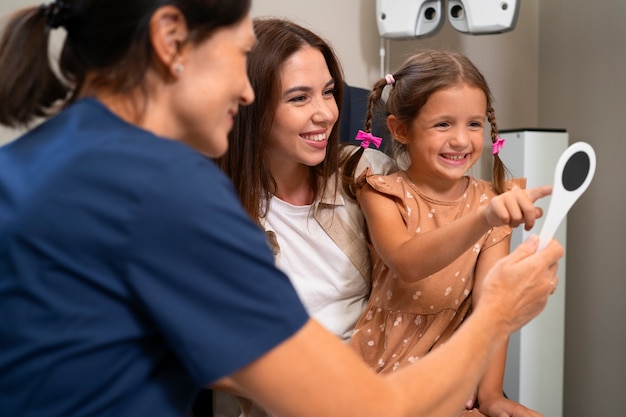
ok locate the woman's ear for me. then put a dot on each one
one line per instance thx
(168, 32)
(396, 128)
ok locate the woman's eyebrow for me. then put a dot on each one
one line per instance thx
(302, 88)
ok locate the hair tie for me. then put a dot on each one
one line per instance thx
(497, 145)
(56, 13)
(390, 80)
(366, 138)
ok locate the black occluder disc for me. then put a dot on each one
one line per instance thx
(575, 171)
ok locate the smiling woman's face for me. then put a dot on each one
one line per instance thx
(211, 87)
(306, 111)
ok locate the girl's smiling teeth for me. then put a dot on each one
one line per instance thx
(454, 157)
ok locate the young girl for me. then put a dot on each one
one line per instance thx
(435, 231)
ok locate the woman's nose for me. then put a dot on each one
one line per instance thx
(247, 95)
(325, 111)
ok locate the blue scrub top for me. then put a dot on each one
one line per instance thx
(130, 276)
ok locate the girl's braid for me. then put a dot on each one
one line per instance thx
(498, 172)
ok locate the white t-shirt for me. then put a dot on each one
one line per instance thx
(331, 288)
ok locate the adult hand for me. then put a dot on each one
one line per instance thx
(518, 286)
(515, 207)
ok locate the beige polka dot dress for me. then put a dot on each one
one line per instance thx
(403, 321)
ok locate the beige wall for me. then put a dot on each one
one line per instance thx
(583, 88)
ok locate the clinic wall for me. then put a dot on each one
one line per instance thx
(583, 88)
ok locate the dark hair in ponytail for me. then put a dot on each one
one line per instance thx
(107, 40)
(29, 87)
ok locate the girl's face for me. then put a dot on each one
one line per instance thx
(446, 138)
(305, 114)
(212, 85)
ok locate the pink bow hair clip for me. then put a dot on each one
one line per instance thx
(366, 138)
(497, 145)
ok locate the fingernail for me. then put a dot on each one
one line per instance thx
(532, 239)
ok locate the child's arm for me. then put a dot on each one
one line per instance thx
(416, 256)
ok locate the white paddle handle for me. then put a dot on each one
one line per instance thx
(562, 199)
